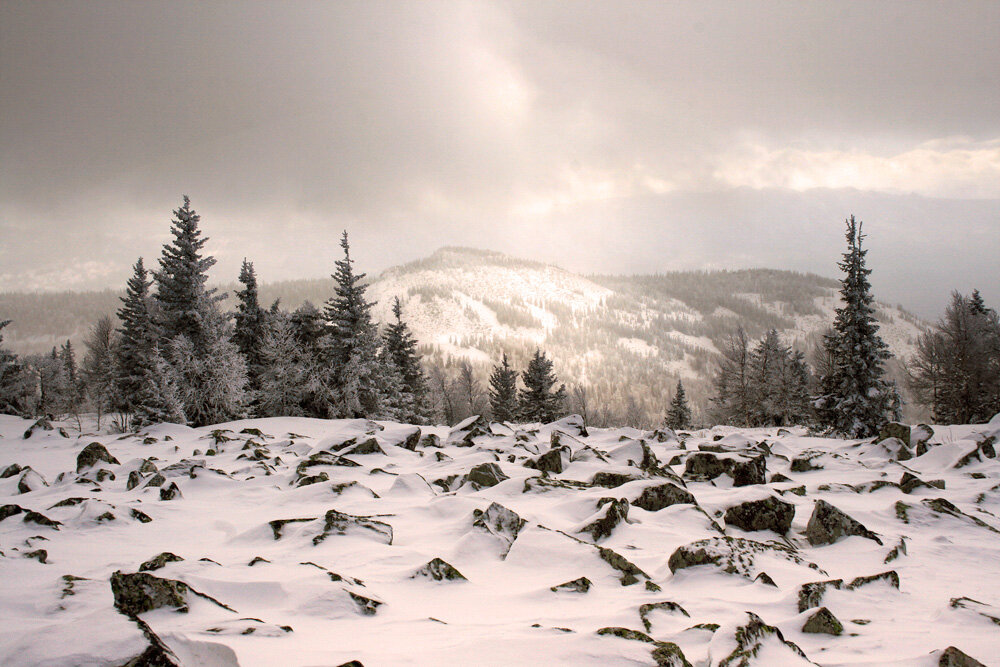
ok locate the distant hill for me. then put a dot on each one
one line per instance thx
(627, 338)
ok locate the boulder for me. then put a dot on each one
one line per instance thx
(612, 480)
(486, 474)
(159, 561)
(646, 609)
(828, 524)
(895, 430)
(811, 594)
(749, 471)
(500, 522)
(30, 481)
(141, 592)
(768, 514)
(465, 432)
(42, 424)
(9, 511)
(668, 654)
(952, 657)
(338, 523)
(581, 585)
(551, 461)
(92, 454)
(411, 440)
(171, 492)
(751, 637)
(823, 622)
(615, 513)
(438, 570)
(134, 480)
(10, 471)
(655, 498)
(733, 555)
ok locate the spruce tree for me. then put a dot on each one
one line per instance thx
(309, 330)
(13, 387)
(352, 345)
(401, 348)
(503, 391)
(98, 365)
(283, 374)
(180, 283)
(143, 390)
(538, 401)
(679, 414)
(856, 398)
(211, 375)
(248, 327)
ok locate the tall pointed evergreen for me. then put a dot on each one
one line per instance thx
(401, 348)
(143, 391)
(352, 345)
(180, 283)
(210, 372)
(503, 391)
(538, 401)
(856, 398)
(679, 414)
(13, 387)
(249, 326)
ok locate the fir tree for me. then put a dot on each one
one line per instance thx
(352, 345)
(538, 401)
(679, 414)
(143, 391)
(98, 365)
(503, 391)
(248, 328)
(856, 398)
(401, 349)
(180, 283)
(282, 386)
(13, 387)
(309, 330)
(210, 374)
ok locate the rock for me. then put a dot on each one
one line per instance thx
(156, 480)
(312, 479)
(30, 481)
(806, 462)
(625, 633)
(655, 498)
(278, 525)
(486, 474)
(952, 657)
(171, 492)
(42, 424)
(500, 522)
(615, 514)
(768, 514)
(134, 480)
(668, 654)
(366, 605)
(920, 436)
(92, 454)
(823, 622)
(704, 465)
(10, 471)
(551, 461)
(159, 561)
(909, 483)
(257, 559)
(369, 446)
(828, 524)
(895, 430)
(749, 471)
(612, 480)
(571, 425)
(897, 449)
(630, 571)
(749, 640)
(646, 609)
(464, 433)
(339, 523)
(9, 511)
(733, 555)
(31, 516)
(890, 577)
(439, 570)
(411, 440)
(811, 594)
(141, 592)
(581, 585)
(41, 555)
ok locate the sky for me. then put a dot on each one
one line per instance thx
(610, 137)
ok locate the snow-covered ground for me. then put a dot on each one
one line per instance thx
(311, 542)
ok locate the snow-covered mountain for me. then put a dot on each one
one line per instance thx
(297, 542)
(625, 336)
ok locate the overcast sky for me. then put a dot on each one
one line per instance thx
(604, 137)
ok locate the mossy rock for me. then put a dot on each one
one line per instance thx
(612, 480)
(668, 654)
(439, 570)
(811, 594)
(952, 657)
(827, 524)
(581, 585)
(767, 514)
(626, 633)
(486, 475)
(140, 592)
(656, 498)
(823, 622)
(92, 454)
(159, 561)
(615, 514)
(646, 609)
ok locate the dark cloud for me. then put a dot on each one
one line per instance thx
(620, 135)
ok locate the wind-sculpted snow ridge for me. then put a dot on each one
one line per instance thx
(293, 541)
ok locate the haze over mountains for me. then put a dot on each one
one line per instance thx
(624, 337)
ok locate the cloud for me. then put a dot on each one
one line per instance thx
(951, 168)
